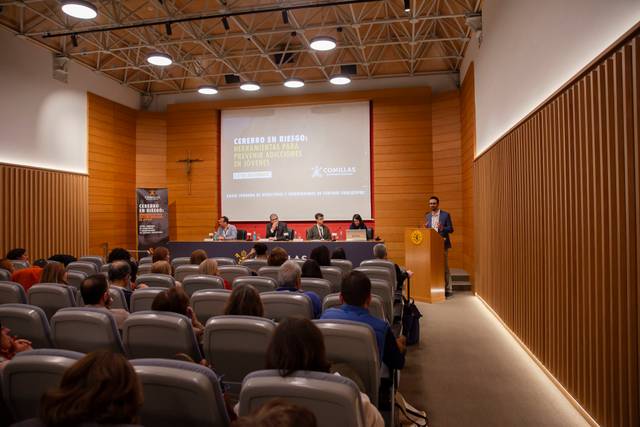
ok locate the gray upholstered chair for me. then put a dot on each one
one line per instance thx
(29, 374)
(382, 263)
(144, 268)
(75, 278)
(225, 261)
(105, 268)
(178, 393)
(85, 329)
(334, 275)
(185, 270)
(280, 305)
(156, 280)
(254, 264)
(182, 260)
(86, 267)
(269, 271)
(51, 297)
(97, 260)
(141, 299)
(28, 322)
(379, 273)
(118, 298)
(343, 264)
(207, 303)
(5, 275)
(19, 264)
(230, 272)
(262, 284)
(12, 293)
(145, 260)
(225, 346)
(334, 400)
(375, 308)
(198, 282)
(159, 334)
(322, 287)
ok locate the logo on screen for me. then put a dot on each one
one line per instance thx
(319, 171)
(316, 172)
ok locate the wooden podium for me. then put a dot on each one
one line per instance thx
(424, 255)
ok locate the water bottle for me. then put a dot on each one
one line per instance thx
(254, 235)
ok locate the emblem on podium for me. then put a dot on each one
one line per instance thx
(416, 237)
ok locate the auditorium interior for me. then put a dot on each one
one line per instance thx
(320, 213)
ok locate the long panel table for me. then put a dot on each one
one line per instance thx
(356, 251)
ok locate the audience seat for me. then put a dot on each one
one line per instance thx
(237, 346)
(29, 374)
(381, 263)
(182, 260)
(159, 334)
(322, 287)
(380, 273)
(354, 344)
(28, 322)
(141, 299)
(182, 271)
(97, 260)
(343, 264)
(86, 267)
(280, 305)
(19, 264)
(85, 329)
(5, 275)
(105, 268)
(333, 399)
(381, 289)
(230, 272)
(334, 275)
(145, 260)
(156, 280)
(254, 264)
(12, 293)
(144, 269)
(262, 284)
(299, 261)
(375, 308)
(178, 393)
(269, 271)
(119, 300)
(51, 297)
(75, 278)
(225, 261)
(197, 282)
(207, 303)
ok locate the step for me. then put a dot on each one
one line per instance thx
(461, 286)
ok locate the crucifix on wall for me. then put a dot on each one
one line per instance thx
(187, 168)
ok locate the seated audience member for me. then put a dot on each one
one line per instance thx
(40, 262)
(277, 257)
(121, 254)
(297, 345)
(380, 252)
(259, 251)
(7, 265)
(120, 276)
(357, 223)
(163, 267)
(339, 254)
(102, 388)
(289, 281)
(310, 268)
(64, 259)
(355, 296)
(27, 277)
(17, 254)
(319, 231)
(9, 346)
(225, 230)
(95, 293)
(175, 300)
(210, 267)
(275, 228)
(54, 272)
(321, 255)
(244, 301)
(197, 257)
(160, 254)
(278, 413)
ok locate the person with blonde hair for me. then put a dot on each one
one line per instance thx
(210, 267)
(163, 267)
(54, 272)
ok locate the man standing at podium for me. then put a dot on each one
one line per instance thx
(440, 221)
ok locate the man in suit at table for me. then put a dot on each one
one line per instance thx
(276, 229)
(441, 222)
(319, 231)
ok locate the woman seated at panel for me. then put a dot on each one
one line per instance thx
(357, 223)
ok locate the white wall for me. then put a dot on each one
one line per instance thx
(530, 48)
(43, 122)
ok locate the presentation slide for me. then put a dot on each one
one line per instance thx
(296, 161)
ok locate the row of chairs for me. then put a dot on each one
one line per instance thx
(183, 393)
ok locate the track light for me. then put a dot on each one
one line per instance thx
(225, 23)
(167, 28)
(79, 9)
(208, 90)
(74, 40)
(340, 79)
(160, 59)
(250, 86)
(407, 5)
(323, 43)
(294, 82)
(285, 16)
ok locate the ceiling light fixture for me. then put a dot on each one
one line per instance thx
(208, 90)
(167, 28)
(79, 9)
(340, 79)
(323, 43)
(250, 86)
(407, 5)
(285, 16)
(294, 82)
(225, 23)
(160, 59)
(74, 40)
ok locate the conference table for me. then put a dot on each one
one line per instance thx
(357, 251)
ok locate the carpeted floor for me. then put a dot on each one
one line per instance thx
(469, 371)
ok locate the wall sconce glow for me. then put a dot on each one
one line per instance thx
(250, 86)
(340, 79)
(323, 43)
(159, 59)
(208, 90)
(79, 9)
(294, 82)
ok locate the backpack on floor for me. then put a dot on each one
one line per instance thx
(411, 321)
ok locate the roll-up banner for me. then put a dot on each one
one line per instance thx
(153, 217)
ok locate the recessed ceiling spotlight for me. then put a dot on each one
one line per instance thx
(407, 6)
(79, 9)
(323, 43)
(340, 79)
(208, 90)
(294, 82)
(250, 86)
(160, 59)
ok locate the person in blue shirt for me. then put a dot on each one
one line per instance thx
(289, 280)
(225, 230)
(356, 297)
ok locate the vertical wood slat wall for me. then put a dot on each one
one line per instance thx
(468, 143)
(43, 211)
(557, 234)
(151, 150)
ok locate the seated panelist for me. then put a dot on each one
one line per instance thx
(275, 229)
(319, 231)
(357, 223)
(226, 231)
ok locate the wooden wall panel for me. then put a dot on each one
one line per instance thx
(151, 150)
(43, 211)
(468, 145)
(557, 234)
(112, 175)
